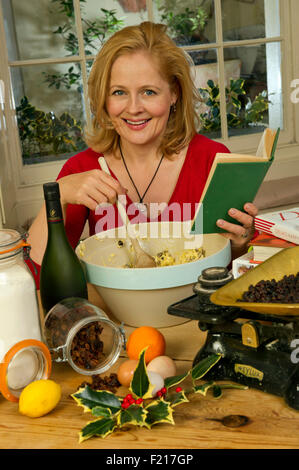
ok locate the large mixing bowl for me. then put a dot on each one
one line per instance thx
(141, 296)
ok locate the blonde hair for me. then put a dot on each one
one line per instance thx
(174, 68)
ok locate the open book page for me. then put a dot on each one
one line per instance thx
(265, 146)
(236, 157)
(264, 150)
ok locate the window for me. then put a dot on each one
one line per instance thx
(238, 48)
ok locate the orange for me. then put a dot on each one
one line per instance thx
(146, 336)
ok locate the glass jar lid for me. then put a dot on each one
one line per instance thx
(26, 361)
(11, 243)
(8, 237)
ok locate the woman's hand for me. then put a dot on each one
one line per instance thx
(89, 189)
(240, 235)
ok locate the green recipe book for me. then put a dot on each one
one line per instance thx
(234, 179)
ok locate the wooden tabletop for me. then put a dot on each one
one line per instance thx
(272, 424)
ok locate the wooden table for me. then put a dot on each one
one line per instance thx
(272, 425)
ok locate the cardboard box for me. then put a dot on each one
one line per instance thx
(242, 264)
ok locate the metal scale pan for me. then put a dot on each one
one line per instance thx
(284, 263)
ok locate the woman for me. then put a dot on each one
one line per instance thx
(143, 102)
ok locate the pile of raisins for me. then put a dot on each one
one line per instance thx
(109, 382)
(285, 291)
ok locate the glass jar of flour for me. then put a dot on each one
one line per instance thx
(23, 355)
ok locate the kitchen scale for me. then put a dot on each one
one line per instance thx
(256, 348)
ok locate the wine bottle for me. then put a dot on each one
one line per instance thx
(62, 274)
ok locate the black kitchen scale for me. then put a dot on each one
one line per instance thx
(255, 348)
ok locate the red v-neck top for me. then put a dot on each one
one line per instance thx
(188, 189)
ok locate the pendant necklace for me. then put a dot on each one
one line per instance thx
(140, 205)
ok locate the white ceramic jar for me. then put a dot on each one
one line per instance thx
(23, 356)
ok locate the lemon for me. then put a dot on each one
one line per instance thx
(39, 398)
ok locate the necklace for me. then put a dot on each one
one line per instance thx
(141, 205)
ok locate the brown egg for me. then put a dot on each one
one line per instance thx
(125, 372)
(162, 365)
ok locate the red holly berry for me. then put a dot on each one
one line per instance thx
(139, 401)
(178, 389)
(164, 390)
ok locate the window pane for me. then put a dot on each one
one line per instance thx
(50, 114)
(100, 20)
(255, 100)
(205, 74)
(132, 12)
(188, 22)
(250, 19)
(39, 29)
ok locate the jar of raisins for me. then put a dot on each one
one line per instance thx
(81, 334)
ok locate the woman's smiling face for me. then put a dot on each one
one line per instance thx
(139, 99)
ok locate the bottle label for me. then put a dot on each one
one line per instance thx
(54, 212)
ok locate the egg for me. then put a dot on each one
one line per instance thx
(157, 381)
(125, 372)
(162, 365)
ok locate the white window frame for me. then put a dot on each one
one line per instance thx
(31, 177)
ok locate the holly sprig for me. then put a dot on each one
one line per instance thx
(140, 408)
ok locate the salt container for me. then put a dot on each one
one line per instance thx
(23, 355)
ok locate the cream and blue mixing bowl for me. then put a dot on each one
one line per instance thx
(141, 296)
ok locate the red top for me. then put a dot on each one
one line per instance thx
(188, 189)
(190, 184)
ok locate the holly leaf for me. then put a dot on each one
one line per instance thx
(217, 392)
(159, 411)
(90, 399)
(203, 388)
(101, 411)
(203, 366)
(134, 414)
(101, 427)
(140, 383)
(174, 380)
(177, 399)
(217, 388)
(237, 386)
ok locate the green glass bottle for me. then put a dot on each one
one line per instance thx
(62, 274)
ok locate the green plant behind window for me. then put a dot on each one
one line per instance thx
(185, 27)
(94, 32)
(238, 114)
(43, 134)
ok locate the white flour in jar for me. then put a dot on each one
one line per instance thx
(19, 317)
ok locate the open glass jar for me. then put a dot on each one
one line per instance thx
(23, 356)
(81, 334)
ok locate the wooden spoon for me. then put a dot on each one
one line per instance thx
(142, 259)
